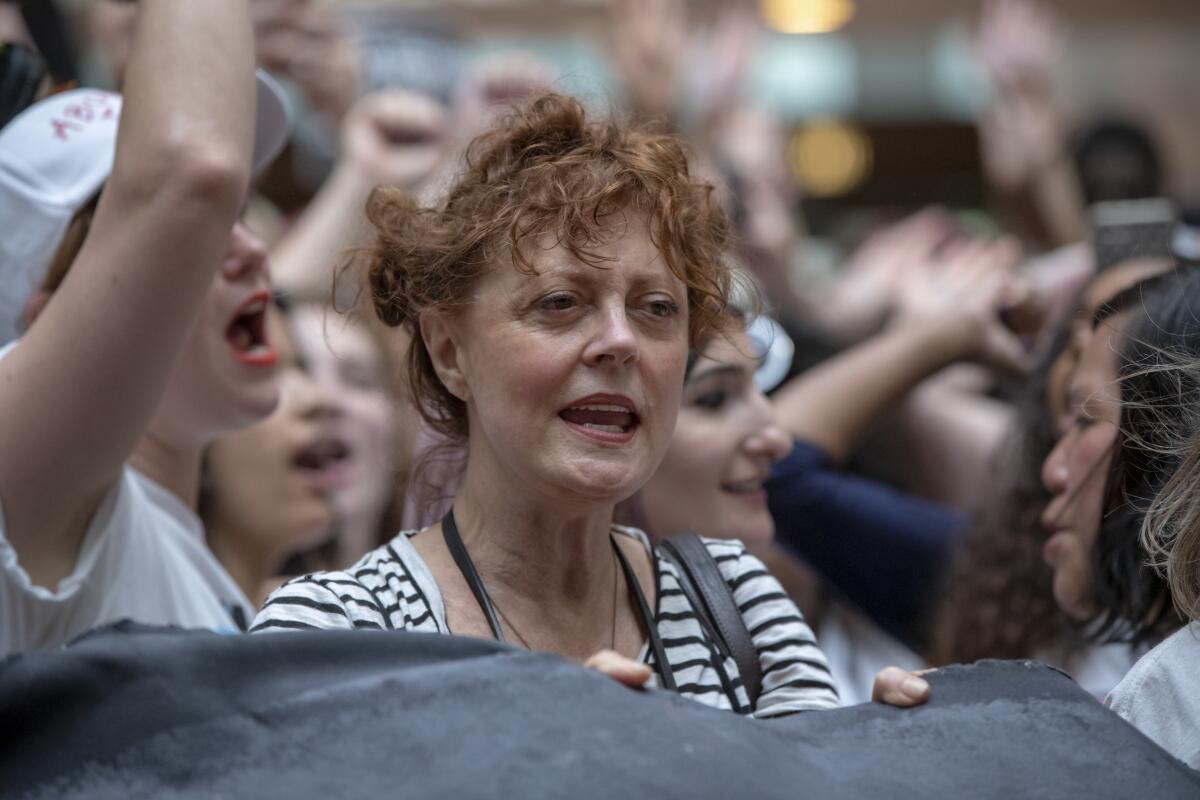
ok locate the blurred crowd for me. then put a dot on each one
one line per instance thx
(949, 433)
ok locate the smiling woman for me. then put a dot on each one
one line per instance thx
(552, 300)
(725, 443)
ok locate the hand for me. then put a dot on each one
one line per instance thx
(869, 282)
(752, 144)
(395, 137)
(896, 687)
(304, 42)
(633, 674)
(719, 59)
(964, 292)
(1059, 276)
(647, 42)
(1020, 133)
(495, 83)
(1017, 43)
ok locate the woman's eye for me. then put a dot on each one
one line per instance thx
(556, 302)
(663, 308)
(710, 401)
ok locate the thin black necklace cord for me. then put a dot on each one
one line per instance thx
(462, 559)
(458, 551)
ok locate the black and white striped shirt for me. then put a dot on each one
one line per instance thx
(391, 588)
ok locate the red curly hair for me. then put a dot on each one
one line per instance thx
(546, 168)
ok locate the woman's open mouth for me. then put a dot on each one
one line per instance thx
(611, 420)
(247, 333)
(325, 462)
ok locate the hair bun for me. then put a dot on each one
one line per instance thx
(394, 214)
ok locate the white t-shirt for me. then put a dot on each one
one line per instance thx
(1161, 695)
(143, 557)
(1099, 667)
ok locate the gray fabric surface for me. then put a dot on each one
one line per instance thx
(141, 712)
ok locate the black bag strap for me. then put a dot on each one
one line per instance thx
(697, 567)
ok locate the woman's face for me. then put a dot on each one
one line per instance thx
(1076, 471)
(345, 361)
(271, 481)
(571, 376)
(725, 442)
(225, 377)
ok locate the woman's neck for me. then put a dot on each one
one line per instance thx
(251, 569)
(357, 535)
(174, 467)
(534, 547)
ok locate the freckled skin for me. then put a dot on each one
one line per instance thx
(530, 346)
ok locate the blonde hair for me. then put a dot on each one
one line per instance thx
(1170, 532)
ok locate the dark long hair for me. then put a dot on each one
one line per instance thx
(996, 598)
(1156, 407)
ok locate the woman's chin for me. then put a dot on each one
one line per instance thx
(308, 524)
(604, 483)
(249, 406)
(1072, 600)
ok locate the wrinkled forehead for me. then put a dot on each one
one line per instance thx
(619, 248)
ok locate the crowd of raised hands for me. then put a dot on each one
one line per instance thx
(581, 332)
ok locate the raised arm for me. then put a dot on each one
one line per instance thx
(1022, 141)
(394, 137)
(79, 390)
(646, 43)
(956, 318)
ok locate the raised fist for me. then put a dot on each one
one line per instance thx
(397, 136)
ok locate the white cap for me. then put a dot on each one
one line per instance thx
(775, 350)
(55, 156)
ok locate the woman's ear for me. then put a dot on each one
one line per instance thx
(440, 335)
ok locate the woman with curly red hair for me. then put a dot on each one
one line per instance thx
(553, 299)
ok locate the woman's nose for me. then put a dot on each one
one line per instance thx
(768, 438)
(315, 400)
(1054, 468)
(246, 257)
(614, 340)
